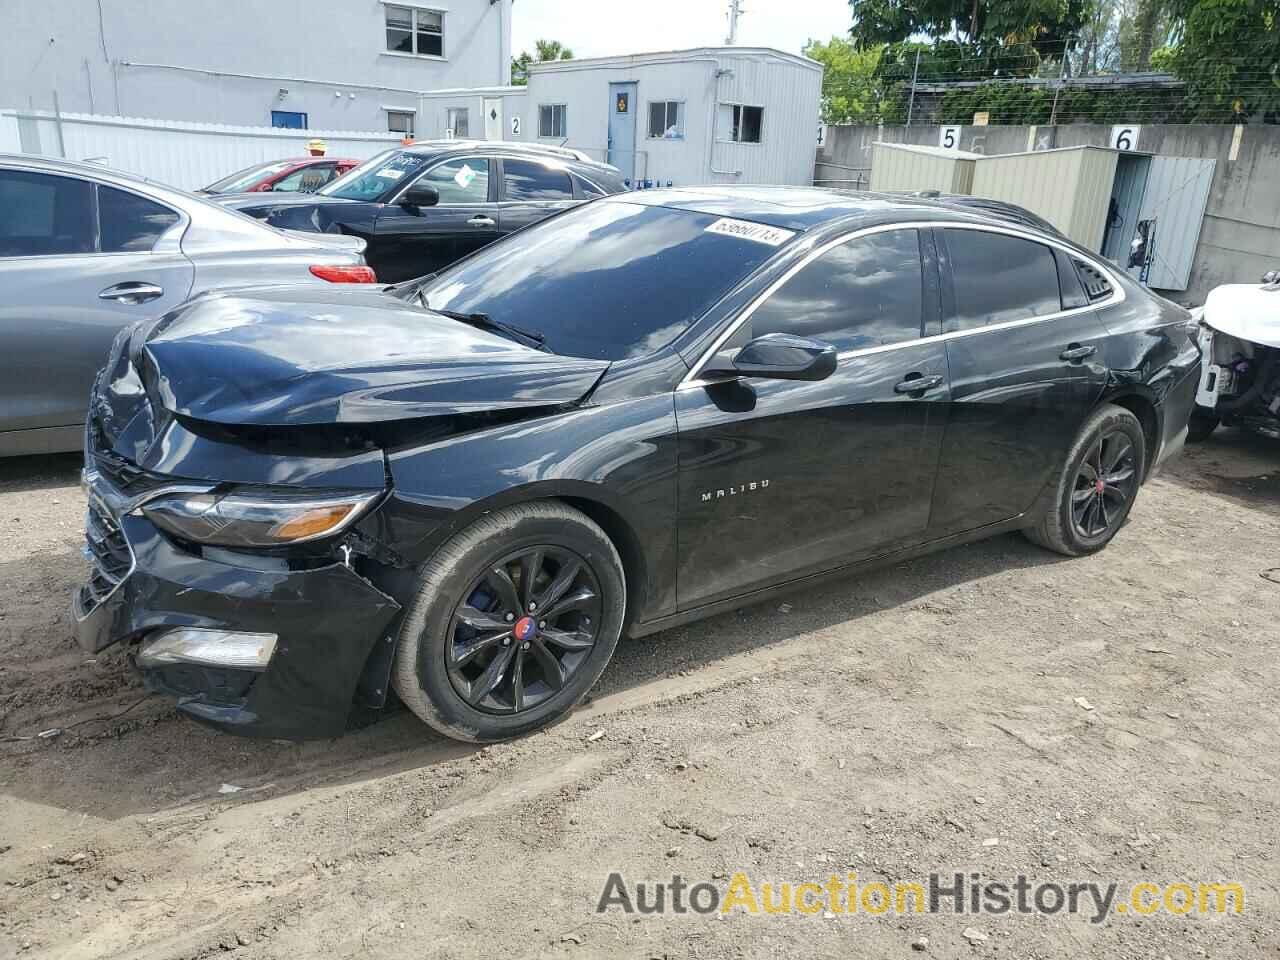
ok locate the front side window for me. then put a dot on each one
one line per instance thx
(998, 278)
(866, 292)
(740, 124)
(460, 181)
(459, 122)
(129, 223)
(44, 215)
(306, 179)
(551, 120)
(607, 280)
(523, 180)
(415, 31)
(400, 121)
(666, 120)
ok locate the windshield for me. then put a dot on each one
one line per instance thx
(242, 180)
(373, 177)
(608, 280)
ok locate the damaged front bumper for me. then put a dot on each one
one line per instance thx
(325, 618)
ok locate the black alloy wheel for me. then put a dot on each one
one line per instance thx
(523, 630)
(1104, 485)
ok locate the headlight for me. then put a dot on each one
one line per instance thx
(255, 520)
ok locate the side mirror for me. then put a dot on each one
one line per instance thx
(781, 356)
(420, 195)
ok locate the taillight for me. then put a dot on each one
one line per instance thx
(344, 274)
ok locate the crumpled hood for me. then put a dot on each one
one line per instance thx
(345, 354)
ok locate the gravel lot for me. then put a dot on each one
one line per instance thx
(893, 725)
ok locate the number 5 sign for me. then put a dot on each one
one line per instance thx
(949, 138)
(1125, 137)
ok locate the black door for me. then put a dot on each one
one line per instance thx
(410, 241)
(1024, 358)
(532, 190)
(783, 478)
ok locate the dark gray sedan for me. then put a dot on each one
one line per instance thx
(85, 251)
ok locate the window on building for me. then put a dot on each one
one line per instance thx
(44, 215)
(129, 223)
(741, 124)
(998, 278)
(523, 180)
(864, 293)
(666, 119)
(288, 119)
(416, 31)
(460, 181)
(400, 121)
(458, 122)
(551, 120)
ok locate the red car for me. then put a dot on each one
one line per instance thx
(298, 175)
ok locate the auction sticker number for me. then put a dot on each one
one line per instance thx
(746, 230)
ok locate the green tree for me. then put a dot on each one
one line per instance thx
(1046, 24)
(544, 51)
(1229, 56)
(851, 87)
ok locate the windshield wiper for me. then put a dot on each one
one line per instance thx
(533, 338)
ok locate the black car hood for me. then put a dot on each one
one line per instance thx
(298, 355)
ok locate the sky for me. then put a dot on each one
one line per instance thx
(597, 28)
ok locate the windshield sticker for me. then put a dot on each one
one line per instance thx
(390, 174)
(756, 232)
(464, 177)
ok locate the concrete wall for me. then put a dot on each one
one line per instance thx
(1240, 238)
(787, 87)
(228, 62)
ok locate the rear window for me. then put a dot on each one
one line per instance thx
(608, 280)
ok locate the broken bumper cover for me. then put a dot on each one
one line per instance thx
(326, 619)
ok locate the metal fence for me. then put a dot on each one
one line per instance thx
(186, 155)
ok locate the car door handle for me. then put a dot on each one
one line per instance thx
(1075, 352)
(482, 221)
(917, 384)
(132, 291)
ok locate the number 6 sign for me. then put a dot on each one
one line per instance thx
(1125, 137)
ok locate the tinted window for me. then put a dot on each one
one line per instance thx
(863, 293)
(1096, 285)
(999, 278)
(608, 280)
(1073, 294)
(129, 222)
(44, 215)
(307, 179)
(532, 181)
(460, 181)
(589, 189)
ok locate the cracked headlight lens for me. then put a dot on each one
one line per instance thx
(258, 519)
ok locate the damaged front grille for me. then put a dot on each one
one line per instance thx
(109, 555)
(127, 478)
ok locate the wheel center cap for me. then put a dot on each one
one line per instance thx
(525, 629)
(1100, 486)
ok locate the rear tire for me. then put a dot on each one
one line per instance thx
(1083, 516)
(514, 621)
(1202, 424)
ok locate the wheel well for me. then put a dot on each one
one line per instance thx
(1145, 411)
(626, 541)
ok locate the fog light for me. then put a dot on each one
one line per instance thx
(211, 648)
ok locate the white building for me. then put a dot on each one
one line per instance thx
(708, 115)
(325, 64)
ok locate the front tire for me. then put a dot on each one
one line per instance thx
(1095, 488)
(514, 621)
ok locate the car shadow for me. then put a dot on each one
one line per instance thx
(149, 758)
(18, 474)
(1238, 464)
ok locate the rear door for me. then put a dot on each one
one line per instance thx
(1024, 351)
(412, 241)
(78, 261)
(779, 479)
(532, 190)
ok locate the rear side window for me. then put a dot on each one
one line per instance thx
(1073, 294)
(864, 293)
(589, 189)
(44, 215)
(532, 181)
(1096, 285)
(130, 223)
(998, 278)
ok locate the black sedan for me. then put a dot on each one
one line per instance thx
(420, 208)
(645, 411)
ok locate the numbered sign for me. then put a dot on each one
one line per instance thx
(949, 138)
(515, 126)
(1125, 137)
(822, 134)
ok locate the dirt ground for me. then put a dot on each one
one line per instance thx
(893, 725)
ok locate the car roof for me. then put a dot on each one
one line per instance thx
(803, 208)
(504, 146)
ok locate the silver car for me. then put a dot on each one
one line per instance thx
(85, 251)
